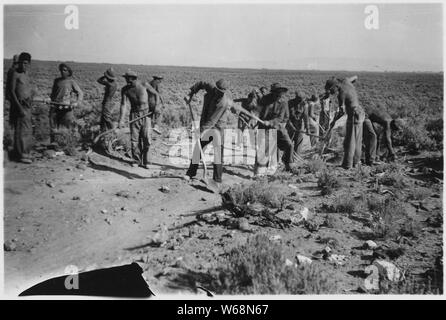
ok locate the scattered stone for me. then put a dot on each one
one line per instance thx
(76, 198)
(369, 244)
(164, 189)
(104, 211)
(135, 220)
(61, 191)
(302, 260)
(243, 225)
(290, 263)
(49, 154)
(276, 237)
(203, 236)
(290, 207)
(203, 199)
(9, 246)
(388, 270)
(108, 221)
(161, 236)
(180, 263)
(123, 194)
(337, 259)
(50, 184)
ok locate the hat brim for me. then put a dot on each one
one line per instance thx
(221, 90)
(109, 76)
(129, 76)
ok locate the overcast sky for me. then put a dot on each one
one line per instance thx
(291, 36)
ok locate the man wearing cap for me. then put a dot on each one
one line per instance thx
(61, 110)
(136, 94)
(314, 109)
(378, 123)
(275, 115)
(216, 102)
(348, 103)
(298, 108)
(108, 80)
(21, 94)
(155, 99)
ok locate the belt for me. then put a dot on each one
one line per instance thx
(139, 111)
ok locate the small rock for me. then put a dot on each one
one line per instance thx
(369, 244)
(388, 270)
(104, 211)
(76, 198)
(203, 199)
(243, 225)
(337, 259)
(164, 189)
(123, 193)
(302, 260)
(290, 207)
(49, 154)
(276, 237)
(50, 184)
(108, 221)
(203, 236)
(9, 246)
(290, 263)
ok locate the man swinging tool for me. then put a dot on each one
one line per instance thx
(136, 94)
(216, 101)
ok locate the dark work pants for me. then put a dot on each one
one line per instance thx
(218, 159)
(140, 137)
(22, 135)
(284, 143)
(106, 117)
(370, 141)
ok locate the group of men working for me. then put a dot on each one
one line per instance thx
(143, 98)
(267, 110)
(270, 110)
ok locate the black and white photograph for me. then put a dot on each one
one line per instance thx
(217, 149)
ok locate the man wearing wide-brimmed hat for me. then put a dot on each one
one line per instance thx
(136, 94)
(275, 115)
(348, 103)
(378, 123)
(108, 80)
(61, 111)
(217, 101)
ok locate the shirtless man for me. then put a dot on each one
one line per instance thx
(348, 103)
(108, 80)
(21, 95)
(378, 121)
(136, 94)
(61, 110)
(155, 99)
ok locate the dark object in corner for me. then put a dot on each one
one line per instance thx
(123, 281)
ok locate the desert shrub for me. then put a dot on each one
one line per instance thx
(389, 215)
(259, 267)
(314, 166)
(362, 172)
(433, 284)
(415, 138)
(261, 191)
(419, 194)
(67, 140)
(392, 179)
(345, 204)
(392, 167)
(328, 182)
(435, 131)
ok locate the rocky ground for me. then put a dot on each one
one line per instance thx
(98, 212)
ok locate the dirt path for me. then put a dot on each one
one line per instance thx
(65, 211)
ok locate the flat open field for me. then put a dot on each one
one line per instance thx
(94, 212)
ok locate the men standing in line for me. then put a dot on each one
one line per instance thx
(349, 103)
(275, 115)
(216, 102)
(108, 80)
(314, 109)
(21, 95)
(61, 110)
(136, 94)
(378, 122)
(298, 108)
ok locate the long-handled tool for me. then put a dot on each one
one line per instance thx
(197, 131)
(114, 129)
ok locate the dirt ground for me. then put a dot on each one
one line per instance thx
(67, 210)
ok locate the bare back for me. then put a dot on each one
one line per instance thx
(348, 97)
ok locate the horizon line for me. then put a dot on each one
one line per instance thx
(238, 68)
